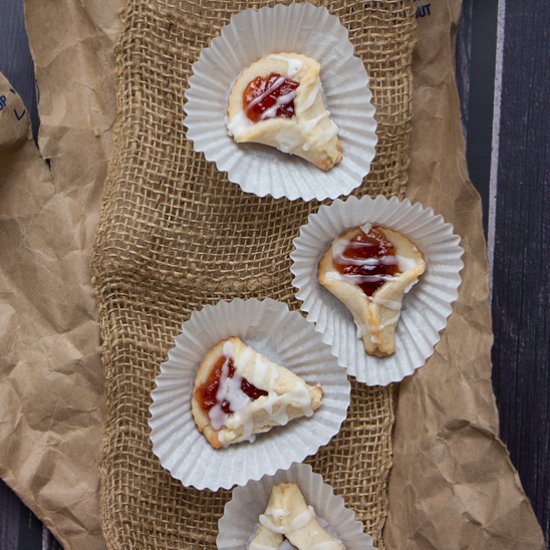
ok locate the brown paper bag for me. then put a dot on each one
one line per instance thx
(452, 484)
(50, 385)
(51, 381)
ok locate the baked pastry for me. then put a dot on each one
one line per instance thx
(370, 269)
(277, 101)
(238, 393)
(288, 516)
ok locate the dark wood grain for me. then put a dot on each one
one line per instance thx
(477, 101)
(49, 542)
(19, 528)
(521, 282)
(10, 510)
(463, 59)
(15, 58)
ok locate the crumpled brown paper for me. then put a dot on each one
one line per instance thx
(51, 400)
(452, 485)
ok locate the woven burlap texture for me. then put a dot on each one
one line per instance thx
(175, 235)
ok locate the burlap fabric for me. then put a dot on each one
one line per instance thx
(175, 235)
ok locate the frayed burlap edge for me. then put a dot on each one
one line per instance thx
(174, 235)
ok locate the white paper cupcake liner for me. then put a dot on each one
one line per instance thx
(239, 523)
(252, 34)
(425, 308)
(282, 336)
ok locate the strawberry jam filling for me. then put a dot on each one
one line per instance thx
(207, 393)
(269, 97)
(368, 260)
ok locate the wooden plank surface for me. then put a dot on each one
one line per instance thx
(476, 74)
(521, 281)
(519, 243)
(521, 286)
(19, 527)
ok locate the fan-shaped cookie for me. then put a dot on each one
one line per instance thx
(277, 101)
(239, 393)
(288, 516)
(370, 269)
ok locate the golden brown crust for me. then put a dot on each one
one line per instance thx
(199, 415)
(321, 153)
(376, 321)
(245, 364)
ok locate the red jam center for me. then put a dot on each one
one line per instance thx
(270, 94)
(207, 392)
(368, 246)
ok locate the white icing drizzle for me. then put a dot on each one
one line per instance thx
(405, 263)
(390, 304)
(299, 522)
(309, 125)
(275, 86)
(294, 65)
(309, 100)
(288, 139)
(229, 390)
(338, 248)
(239, 123)
(366, 227)
(392, 321)
(363, 330)
(276, 406)
(268, 524)
(217, 417)
(410, 286)
(357, 279)
(326, 545)
(277, 513)
(260, 367)
(227, 348)
(323, 137)
(338, 254)
(332, 276)
(246, 412)
(257, 546)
